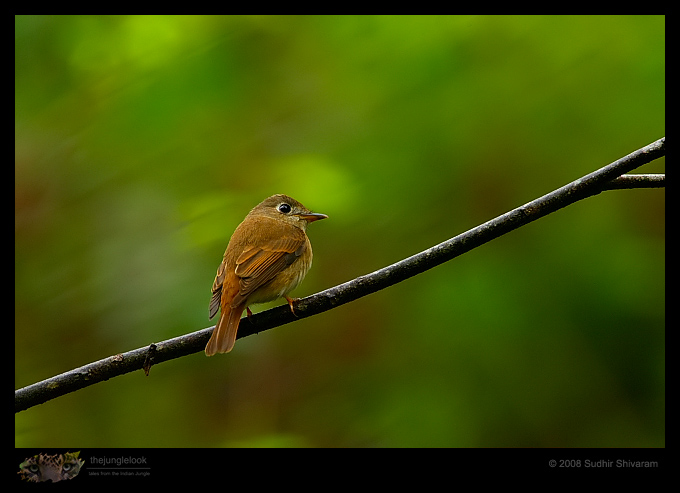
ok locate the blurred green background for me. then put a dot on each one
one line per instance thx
(141, 142)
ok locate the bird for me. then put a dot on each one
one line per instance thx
(267, 257)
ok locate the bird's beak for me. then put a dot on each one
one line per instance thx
(313, 216)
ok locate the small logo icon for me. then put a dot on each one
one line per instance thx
(42, 467)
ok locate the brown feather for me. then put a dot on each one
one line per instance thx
(224, 335)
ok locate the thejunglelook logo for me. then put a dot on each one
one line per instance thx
(53, 468)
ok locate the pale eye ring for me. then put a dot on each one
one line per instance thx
(284, 208)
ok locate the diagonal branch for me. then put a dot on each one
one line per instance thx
(610, 177)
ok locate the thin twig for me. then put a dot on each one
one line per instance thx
(636, 181)
(607, 178)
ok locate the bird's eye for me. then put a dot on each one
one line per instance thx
(284, 208)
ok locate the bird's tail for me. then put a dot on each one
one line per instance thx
(224, 335)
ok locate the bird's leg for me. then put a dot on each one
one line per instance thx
(290, 304)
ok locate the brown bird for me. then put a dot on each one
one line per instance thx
(268, 255)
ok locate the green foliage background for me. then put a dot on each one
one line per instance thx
(141, 142)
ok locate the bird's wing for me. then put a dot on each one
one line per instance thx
(217, 289)
(258, 265)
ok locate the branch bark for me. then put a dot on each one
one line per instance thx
(610, 177)
(636, 181)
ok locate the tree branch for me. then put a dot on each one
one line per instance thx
(610, 177)
(636, 181)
